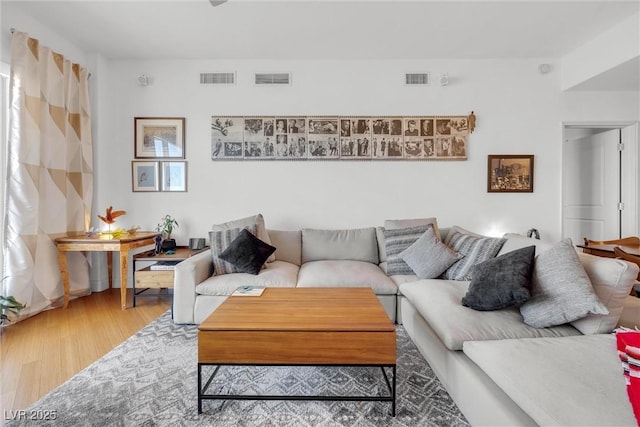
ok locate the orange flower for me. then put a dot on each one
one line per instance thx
(111, 216)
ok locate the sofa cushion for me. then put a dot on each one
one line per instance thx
(572, 381)
(220, 241)
(396, 241)
(275, 274)
(247, 253)
(561, 290)
(358, 244)
(345, 273)
(258, 220)
(501, 282)
(473, 247)
(382, 253)
(438, 301)
(428, 257)
(395, 224)
(288, 244)
(612, 280)
(517, 241)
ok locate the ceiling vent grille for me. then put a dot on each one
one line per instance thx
(273, 78)
(217, 78)
(417, 79)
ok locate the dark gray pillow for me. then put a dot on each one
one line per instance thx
(221, 240)
(501, 282)
(247, 253)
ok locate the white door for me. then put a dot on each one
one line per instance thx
(591, 187)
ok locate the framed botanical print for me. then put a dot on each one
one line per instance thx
(174, 176)
(145, 176)
(510, 173)
(159, 137)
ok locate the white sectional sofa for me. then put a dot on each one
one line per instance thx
(499, 370)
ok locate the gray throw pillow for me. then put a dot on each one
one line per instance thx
(396, 241)
(501, 282)
(247, 253)
(474, 248)
(221, 240)
(428, 257)
(561, 290)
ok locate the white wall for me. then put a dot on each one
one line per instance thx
(518, 111)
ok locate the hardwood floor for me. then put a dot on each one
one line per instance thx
(42, 352)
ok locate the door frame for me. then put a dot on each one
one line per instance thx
(630, 185)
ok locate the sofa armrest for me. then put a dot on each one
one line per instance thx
(188, 274)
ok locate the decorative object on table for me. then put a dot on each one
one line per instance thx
(165, 228)
(158, 244)
(133, 230)
(110, 217)
(174, 176)
(159, 137)
(340, 137)
(9, 305)
(510, 173)
(145, 176)
(196, 243)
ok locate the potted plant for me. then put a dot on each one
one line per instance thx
(9, 305)
(165, 228)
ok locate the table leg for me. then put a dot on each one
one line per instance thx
(64, 272)
(124, 254)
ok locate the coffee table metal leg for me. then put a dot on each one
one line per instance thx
(391, 385)
(199, 388)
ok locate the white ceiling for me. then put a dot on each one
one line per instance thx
(193, 29)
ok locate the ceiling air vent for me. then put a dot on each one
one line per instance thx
(273, 78)
(217, 78)
(417, 79)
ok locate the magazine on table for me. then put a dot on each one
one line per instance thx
(164, 265)
(248, 291)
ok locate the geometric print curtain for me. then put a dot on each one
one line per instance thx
(49, 174)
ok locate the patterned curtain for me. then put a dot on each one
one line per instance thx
(49, 174)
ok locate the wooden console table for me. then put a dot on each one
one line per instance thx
(102, 243)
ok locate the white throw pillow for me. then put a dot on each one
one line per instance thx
(561, 289)
(428, 257)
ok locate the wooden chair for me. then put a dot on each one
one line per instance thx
(626, 241)
(620, 253)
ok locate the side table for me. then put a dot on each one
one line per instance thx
(103, 243)
(147, 278)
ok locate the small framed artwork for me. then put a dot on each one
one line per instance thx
(159, 137)
(510, 173)
(144, 176)
(174, 176)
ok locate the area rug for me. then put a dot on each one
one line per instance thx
(151, 380)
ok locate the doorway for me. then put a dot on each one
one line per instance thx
(599, 181)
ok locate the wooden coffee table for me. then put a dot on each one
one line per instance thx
(299, 326)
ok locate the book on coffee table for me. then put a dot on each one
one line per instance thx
(248, 291)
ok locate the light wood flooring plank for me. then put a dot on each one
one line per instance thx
(42, 352)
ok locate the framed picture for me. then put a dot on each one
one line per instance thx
(174, 176)
(340, 137)
(159, 137)
(510, 173)
(144, 176)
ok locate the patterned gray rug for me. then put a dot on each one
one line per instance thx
(150, 380)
